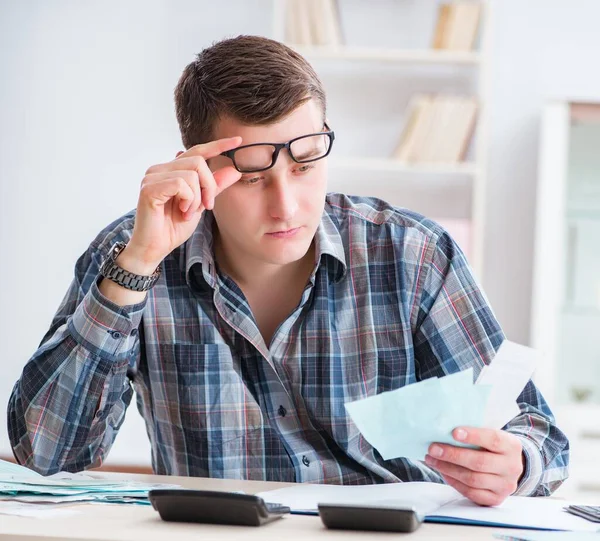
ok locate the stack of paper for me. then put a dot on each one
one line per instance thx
(404, 422)
(19, 484)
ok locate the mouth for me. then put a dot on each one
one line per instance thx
(284, 233)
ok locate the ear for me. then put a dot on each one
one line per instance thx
(179, 154)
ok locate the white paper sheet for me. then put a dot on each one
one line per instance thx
(434, 500)
(508, 373)
(424, 497)
(543, 513)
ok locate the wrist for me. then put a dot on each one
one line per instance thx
(132, 261)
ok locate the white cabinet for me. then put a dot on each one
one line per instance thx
(566, 298)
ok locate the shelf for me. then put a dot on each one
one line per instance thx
(396, 166)
(410, 56)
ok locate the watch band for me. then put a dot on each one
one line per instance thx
(126, 279)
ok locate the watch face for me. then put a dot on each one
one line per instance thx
(117, 249)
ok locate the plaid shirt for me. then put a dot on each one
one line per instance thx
(391, 301)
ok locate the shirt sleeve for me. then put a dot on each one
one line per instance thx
(455, 329)
(66, 408)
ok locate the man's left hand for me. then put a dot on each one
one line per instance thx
(487, 475)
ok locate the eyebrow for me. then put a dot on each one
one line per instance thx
(308, 154)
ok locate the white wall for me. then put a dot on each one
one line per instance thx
(86, 98)
(86, 106)
(540, 49)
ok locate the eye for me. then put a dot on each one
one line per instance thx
(305, 168)
(251, 180)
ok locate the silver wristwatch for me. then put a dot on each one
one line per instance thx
(126, 279)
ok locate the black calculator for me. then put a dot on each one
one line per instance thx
(207, 506)
(589, 512)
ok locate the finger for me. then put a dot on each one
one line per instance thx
(497, 441)
(481, 461)
(212, 148)
(225, 177)
(477, 495)
(179, 164)
(190, 177)
(473, 479)
(159, 193)
(208, 185)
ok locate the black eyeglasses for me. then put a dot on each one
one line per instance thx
(262, 156)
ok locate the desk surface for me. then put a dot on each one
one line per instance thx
(132, 523)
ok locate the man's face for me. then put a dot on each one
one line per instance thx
(272, 216)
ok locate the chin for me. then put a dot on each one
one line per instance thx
(288, 254)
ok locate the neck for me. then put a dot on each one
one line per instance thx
(251, 274)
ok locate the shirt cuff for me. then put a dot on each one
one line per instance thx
(534, 468)
(105, 328)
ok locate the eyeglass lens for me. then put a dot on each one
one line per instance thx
(305, 149)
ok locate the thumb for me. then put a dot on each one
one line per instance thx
(225, 177)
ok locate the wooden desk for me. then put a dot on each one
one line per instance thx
(132, 523)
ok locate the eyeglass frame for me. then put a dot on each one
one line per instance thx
(279, 147)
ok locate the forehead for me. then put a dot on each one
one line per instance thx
(307, 118)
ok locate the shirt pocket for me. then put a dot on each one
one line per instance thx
(209, 394)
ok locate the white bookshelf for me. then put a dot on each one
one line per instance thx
(467, 179)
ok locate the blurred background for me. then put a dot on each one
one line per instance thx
(482, 115)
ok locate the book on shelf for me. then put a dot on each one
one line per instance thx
(437, 129)
(313, 22)
(457, 26)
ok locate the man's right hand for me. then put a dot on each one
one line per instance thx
(172, 198)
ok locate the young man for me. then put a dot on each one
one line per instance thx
(246, 306)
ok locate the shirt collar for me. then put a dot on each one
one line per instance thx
(328, 241)
(199, 248)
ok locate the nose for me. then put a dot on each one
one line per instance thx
(283, 203)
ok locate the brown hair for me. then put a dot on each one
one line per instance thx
(253, 79)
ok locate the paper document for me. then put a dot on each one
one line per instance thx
(24, 486)
(425, 497)
(437, 502)
(508, 373)
(404, 422)
(9, 469)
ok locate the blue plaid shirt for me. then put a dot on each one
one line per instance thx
(391, 301)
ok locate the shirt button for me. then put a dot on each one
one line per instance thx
(133, 332)
(305, 461)
(282, 411)
(116, 335)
